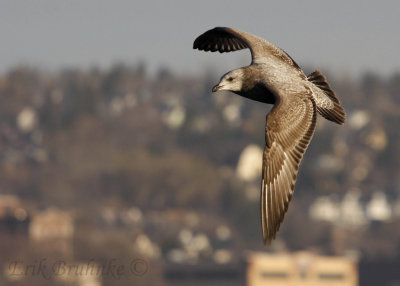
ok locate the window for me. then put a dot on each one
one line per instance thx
(279, 275)
(331, 276)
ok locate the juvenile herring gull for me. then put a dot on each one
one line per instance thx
(274, 77)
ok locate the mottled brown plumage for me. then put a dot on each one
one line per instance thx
(274, 77)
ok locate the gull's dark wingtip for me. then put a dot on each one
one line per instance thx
(199, 42)
(219, 39)
(195, 44)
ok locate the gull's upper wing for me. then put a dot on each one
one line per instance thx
(223, 39)
(289, 128)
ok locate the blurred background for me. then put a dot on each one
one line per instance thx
(118, 165)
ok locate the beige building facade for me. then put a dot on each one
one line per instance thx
(301, 268)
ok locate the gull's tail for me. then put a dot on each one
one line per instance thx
(328, 105)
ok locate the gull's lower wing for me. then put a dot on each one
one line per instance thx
(289, 129)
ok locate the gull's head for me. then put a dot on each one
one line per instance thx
(231, 81)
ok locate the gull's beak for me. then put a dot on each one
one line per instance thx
(216, 88)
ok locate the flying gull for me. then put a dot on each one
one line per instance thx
(274, 77)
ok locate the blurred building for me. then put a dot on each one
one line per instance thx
(260, 268)
(326, 209)
(85, 273)
(250, 163)
(351, 212)
(378, 209)
(53, 230)
(302, 268)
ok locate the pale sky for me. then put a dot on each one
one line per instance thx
(341, 35)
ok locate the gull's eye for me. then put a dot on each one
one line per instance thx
(230, 78)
